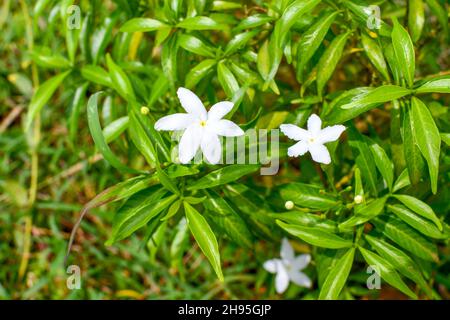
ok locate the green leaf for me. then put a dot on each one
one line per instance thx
(169, 59)
(363, 15)
(78, 102)
(404, 52)
(45, 58)
(418, 223)
(386, 271)
(364, 213)
(120, 80)
(375, 54)
(414, 160)
(308, 196)
(205, 237)
(180, 241)
(227, 79)
(306, 219)
(316, 236)
(173, 210)
(399, 260)
(402, 181)
(42, 96)
(200, 23)
(99, 139)
(223, 175)
(378, 96)
(329, 60)
(311, 40)
(138, 213)
(142, 25)
(427, 137)
(383, 163)
(253, 21)
(407, 238)
(416, 18)
(141, 139)
(166, 181)
(113, 130)
(227, 220)
(363, 159)
(198, 72)
(337, 277)
(419, 207)
(441, 85)
(96, 75)
(239, 41)
(195, 45)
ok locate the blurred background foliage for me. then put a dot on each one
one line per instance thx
(59, 155)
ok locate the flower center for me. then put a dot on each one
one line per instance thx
(203, 123)
(311, 140)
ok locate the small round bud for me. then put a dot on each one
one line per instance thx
(358, 199)
(373, 34)
(145, 110)
(289, 205)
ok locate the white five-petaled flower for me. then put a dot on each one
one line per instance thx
(201, 128)
(313, 139)
(288, 268)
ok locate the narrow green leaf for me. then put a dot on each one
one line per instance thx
(97, 75)
(364, 213)
(416, 18)
(198, 72)
(113, 130)
(402, 181)
(383, 163)
(42, 96)
(316, 236)
(337, 277)
(142, 25)
(200, 23)
(195, 45)
(404, 52)
(329, 60)
(309, 196)
(375, 54)
(205, 237)
(378, 95)
(227, 79)
(386, 271)
(441, 85)
(119, 79)
(223, 175)
(419, 207)
(427, 137)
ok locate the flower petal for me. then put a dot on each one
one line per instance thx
(189, 143)
(287, 252)
(298, 149)
(300, 262)
(319, 153)
(314, 124)
(329, 134)
(271, 265)
(300, 279)
(219, 110)
(294, 132)
(281, 279)
(191, 103)
(177, 121)
(211, 147)
(225, 128)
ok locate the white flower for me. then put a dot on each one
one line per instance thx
(202, 129)
(313, 139)
(288, 268)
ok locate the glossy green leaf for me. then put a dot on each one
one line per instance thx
(223, 175)
(427, 138)
(337, 277)
(120, 80)
(42, 95)
(402, 181)
(97, 75)
(440, 85)
(416, 18)
(375, 54)
(386, 271)
(253, 21)
(378, 95)
(141, 25)
(197, 73)
(227, 79)
(195, 45)
(316, 236)
(404, 52)
(205, 237)
(329, 60)
(309, 196)
(239, 41)
(364, 213)
(419, 207)
(113, 130)
(305, 219)
(199, 23)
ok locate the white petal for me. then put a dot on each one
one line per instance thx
(189, 143)
(329, 134)
(314, 124)
(177, 121)
(319, 153)
(225, 128)
(287, 252)
(300, 279)
(211, 147)
(281, 280)
(294, 132)
(191, 103)
(298, 149)
(271, 265)
(219, 110)
(301, 261)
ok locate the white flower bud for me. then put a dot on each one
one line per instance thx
(145, 110)
(289, 205)
(358, 199)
